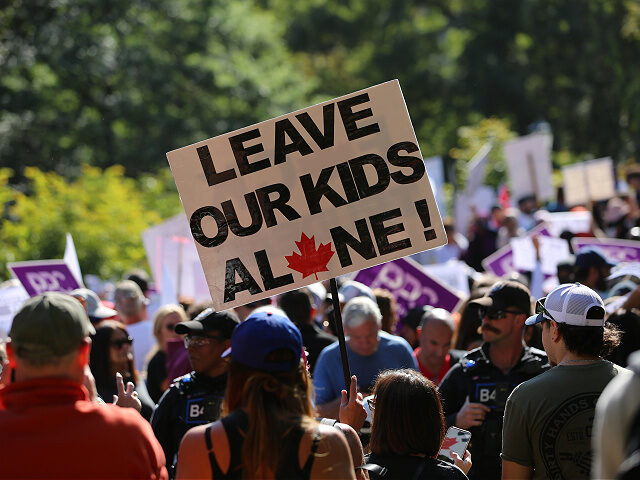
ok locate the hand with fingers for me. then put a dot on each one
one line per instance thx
(463, 464)
(352, 410)
(126, 398)
(471, 414)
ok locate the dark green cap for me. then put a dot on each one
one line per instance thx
(51, 324)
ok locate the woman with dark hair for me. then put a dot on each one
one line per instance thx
(408, 429)
(111, 354)
(269, 430)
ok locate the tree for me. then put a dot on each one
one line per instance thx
(104, 211)
(571, 63)
(123, 82)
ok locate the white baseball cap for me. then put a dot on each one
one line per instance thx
(570, 303)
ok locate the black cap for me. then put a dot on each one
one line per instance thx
(503, 295)
(592, 256)
(208, 321)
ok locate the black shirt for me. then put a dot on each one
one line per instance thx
(406, 467)
(191, 400)
(156, 374)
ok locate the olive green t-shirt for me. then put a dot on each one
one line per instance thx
(548, 419)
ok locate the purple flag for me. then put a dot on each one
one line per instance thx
(410, 285)
(41, 276)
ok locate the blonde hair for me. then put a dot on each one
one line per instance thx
(275, 403)
(157, 325)
(162, 313)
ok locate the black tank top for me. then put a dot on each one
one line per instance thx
(235, 425)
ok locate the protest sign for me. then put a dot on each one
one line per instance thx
(12, 296)
(174, 260)
(614, 249)
(436, 176)
(308, 196)
(477, 170)
(39, 276)
(552, 251)
(452, 273)
(500, 262)
(574, 222)
(479, 203)
(588, 181)
(529, 164)
(410, 285)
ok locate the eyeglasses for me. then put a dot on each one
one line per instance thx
(201, 340)
(372, 403)
(121, 342)
(494, 314)
(541, 309)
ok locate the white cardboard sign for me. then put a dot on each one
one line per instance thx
(174, 260)
(311, 195)
(529, 163)
(592, 180)
(552, 251)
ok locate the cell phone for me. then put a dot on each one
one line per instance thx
(456, 440)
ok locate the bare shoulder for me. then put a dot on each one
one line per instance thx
(333, 457)
(192, 455)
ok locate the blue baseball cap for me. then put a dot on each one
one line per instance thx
(261, 334)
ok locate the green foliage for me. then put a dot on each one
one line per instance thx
(104, 211)
(471, 139)
(572, 63)
(123, 82)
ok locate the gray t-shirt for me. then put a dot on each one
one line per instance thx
(548, 419)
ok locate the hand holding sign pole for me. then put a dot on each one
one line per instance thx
(342, 182)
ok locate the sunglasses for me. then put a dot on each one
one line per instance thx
(541, 309)
(494, 314)
(201, 340)
(121, 342)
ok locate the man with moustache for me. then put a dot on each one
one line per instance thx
(475, 390)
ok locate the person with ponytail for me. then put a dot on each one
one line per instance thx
(269, 430)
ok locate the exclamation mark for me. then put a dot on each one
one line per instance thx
(423, 213)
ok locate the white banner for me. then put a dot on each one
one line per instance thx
(307, 196)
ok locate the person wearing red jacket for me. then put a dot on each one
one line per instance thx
(50, 427)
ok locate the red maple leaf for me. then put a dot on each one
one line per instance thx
(309, 260)
(448, 442)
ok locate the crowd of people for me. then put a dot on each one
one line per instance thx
(92, 388)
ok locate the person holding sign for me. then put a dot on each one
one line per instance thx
(369, 349)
